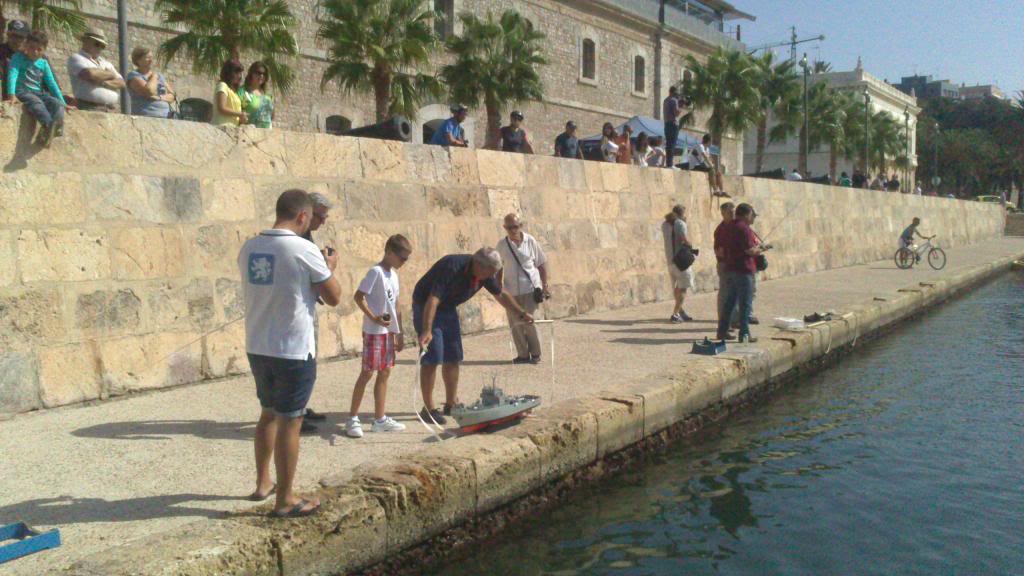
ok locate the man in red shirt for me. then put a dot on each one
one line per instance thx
(728, 210)
(739, 246)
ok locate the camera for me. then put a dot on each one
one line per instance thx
(696, 251)
(539, 295)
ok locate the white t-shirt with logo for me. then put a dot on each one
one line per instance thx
(280, 272)
(381, 289)
(85, 90)
(521, 278)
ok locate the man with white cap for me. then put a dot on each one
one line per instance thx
(94, 80)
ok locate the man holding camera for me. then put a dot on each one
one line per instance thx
(525, 277)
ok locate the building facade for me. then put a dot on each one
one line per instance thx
(982, 91)
(882, 97)
(924, 88)
(609, 60)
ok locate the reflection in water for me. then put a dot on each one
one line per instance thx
(904, 459)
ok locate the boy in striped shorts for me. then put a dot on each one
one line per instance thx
(377, 297)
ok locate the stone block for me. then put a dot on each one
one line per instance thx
(8, 259)
(382, 160)
(145, 253)
(224, 352)
(231, 298)
(502, 202)
(572, 174)
(29, 317)
(328, 343)
(377, 202)
(154, 199)
(614, 176)
(565, 435)
(457, 202)
(427, 164)
(620, 420)
(231, 199)
(214, 248)
(659, 403)
(595, 175)
(422, 495)
(19, 382)
(269, 189)
(151, 361)
(68, 374)
(27, 198)
(97, 139)
(541, 170)
(185, 304)
(322, 156)
(102, 312)
(500, 169)
(465, 171)
(265, 152)
(363, 242)
(63, 255)
(182, 198)
(184, 146)
(701, 384)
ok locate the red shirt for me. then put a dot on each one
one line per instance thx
(737, 238)
(719, 235)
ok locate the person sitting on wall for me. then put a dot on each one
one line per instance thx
(17, 32)
(94, 80)
(514, 137)
(656, 154)
(566, 143)
(893, 185)
(451, 133)
(859, 179)
(30, 79)
(451, 281)
(794, 176)
(844, 180)
(701, 161)
(151, 95)
(878, 183)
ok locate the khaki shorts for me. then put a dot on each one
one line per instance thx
(681, 279)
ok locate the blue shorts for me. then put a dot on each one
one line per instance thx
(446, 345)
(283, 385)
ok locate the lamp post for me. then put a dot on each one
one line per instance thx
(906, 154)
(122, 45)
(805, 145)
(935, 160)
(867, 132)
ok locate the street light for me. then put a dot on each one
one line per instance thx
(906, 154)
(935, 162)
(807, 133)
(867, 132)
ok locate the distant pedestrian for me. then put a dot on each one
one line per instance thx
(94, 80)
(566, 143)
(844, 180)
(451, 133)
(514, 137)
(643, 147)
(656, 155)
(893, 185)
(625, 143)
(739, 247)
(701, 161)
(878, 183)
(794, 176)
(377, 298)
(227, 106)
(674, 234)
(671, 110)
(151, 95)
(859, 179)
(256, 103)
(282, 275)
(609, 147)
(917, 190)
(525, 277)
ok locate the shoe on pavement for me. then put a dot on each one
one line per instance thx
(754, 320)
(747, 338)
(535, 359)
(686, 317)
(354, 428)
(308, 429)
(434, 414)
(387, 424)
(520, 360)
(675, 319)
(726, 336)
(314, 416)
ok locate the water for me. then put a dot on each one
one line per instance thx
(904, 459)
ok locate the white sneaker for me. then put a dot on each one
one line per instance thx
(387, 424)
(354, 428)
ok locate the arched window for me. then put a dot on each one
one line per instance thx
(588, 59)
(444, 24)
(337, 124)
(639, 75)
(430, 127)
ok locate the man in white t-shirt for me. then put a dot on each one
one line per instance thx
(94, 80)
(377, 297)
(794, 176)
(524, 276)
(282, 276)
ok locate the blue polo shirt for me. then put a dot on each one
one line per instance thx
(450, 126)
(450, 280)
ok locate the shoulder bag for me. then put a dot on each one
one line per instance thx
(684, 257)
(538, 293)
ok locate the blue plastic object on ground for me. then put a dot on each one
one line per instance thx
(27, 541)
(708, 347)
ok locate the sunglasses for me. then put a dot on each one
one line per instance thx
(403, 257)
(512, 227)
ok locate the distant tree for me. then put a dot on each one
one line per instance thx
(828, 122)
(63, 17)
(497, 62)
(821, 67)
(375, 45)
(220, 30)
(779, 84)
(729, 85)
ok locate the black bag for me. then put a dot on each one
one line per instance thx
(760, 262)
(538, 293)
(684, 257)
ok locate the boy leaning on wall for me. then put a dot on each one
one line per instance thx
(377, 297)
(31, 80)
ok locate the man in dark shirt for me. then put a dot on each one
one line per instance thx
(566, 143)
(670, 112)
(859, 180)
(451, 281)
(514, 137)
(17, 32)
(739, 246)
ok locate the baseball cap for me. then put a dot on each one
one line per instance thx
(456, 108)
(18, 28)
(517, 114)
(570, 124)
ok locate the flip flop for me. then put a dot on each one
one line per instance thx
(256, 497)
(296, 511)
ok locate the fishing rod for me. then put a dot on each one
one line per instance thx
(784, 218)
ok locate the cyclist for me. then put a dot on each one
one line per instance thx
(907, 237)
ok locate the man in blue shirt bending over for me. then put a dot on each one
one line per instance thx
(451, 133)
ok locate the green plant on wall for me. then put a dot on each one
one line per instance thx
(56, 16)
(220, 30)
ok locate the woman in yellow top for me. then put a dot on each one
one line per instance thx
(227, 106)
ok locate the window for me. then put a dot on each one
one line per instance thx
(337, 124)
(588, 59)
(639, 75)
(444, 24)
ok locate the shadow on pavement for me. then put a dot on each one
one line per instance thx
(658, 341)
(69, 510)
(165, 429)
(596, 321)
(659, 330)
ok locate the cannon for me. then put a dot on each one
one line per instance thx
(394, 128)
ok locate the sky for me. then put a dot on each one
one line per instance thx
(975, 42)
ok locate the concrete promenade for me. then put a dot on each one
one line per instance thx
(122, 471)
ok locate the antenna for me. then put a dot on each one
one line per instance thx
(792, 43)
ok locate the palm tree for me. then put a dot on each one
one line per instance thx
(219, 30)
(886, 140)
(779, 84)
(498, 62)
(821, 67)
(729, 84)
(828, 122)
(374, 45)
(853, 128)
(61, 16)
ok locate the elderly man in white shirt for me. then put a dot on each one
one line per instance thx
(524, 276)
(94, 80)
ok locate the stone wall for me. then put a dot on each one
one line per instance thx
(118, 243)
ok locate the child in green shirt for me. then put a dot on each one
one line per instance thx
(27, 75)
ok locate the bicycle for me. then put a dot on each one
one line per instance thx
(907, 256)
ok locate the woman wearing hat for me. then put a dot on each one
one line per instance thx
(514, 137)
(94, 80)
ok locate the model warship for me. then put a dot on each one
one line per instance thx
(493, 408)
